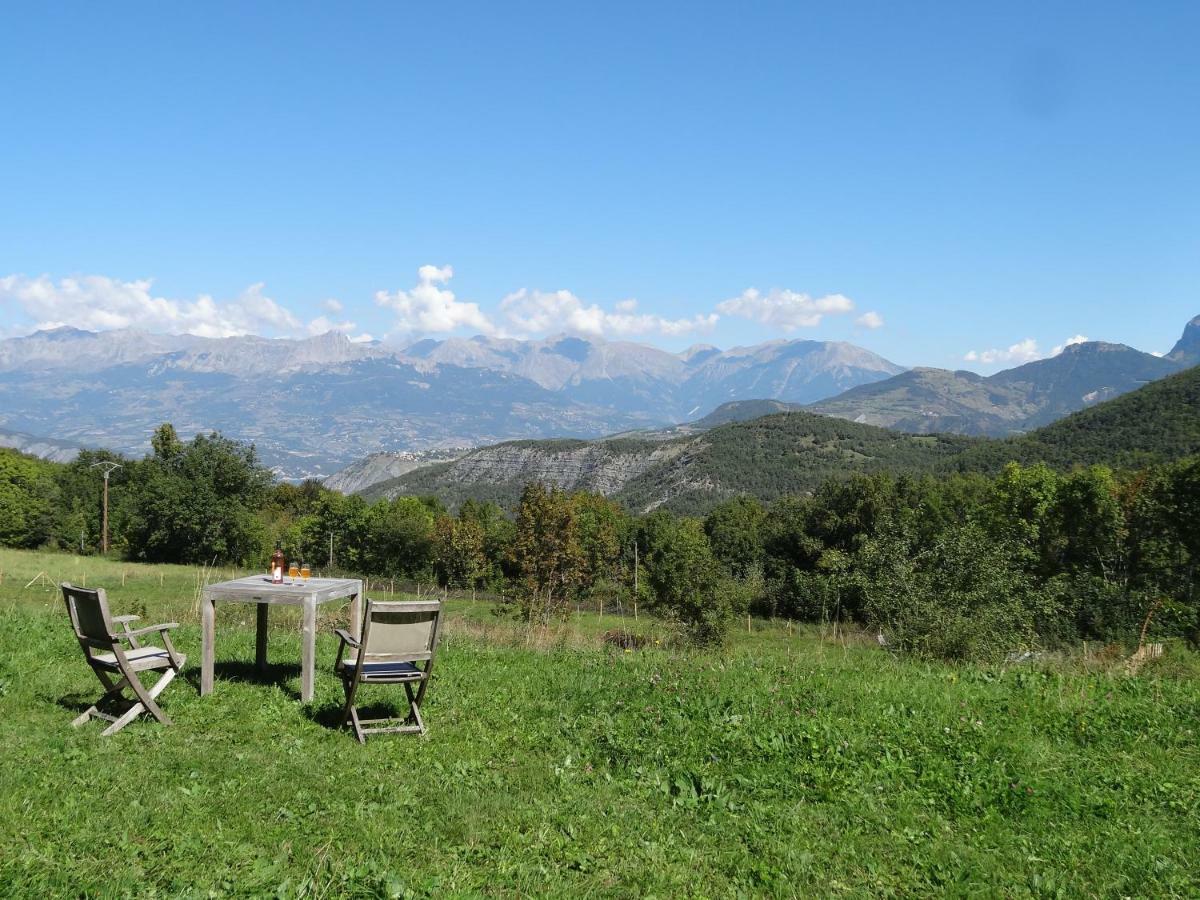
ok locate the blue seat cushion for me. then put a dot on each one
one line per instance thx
(383, 669)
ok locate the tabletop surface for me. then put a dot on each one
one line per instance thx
(261, 588)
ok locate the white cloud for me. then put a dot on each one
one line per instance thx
(322, 324)
(440, 274)
(784, 309)
(1069, 342)
(870, 320)
(263, 309)
(99, 303)
(540, 312)
(1020, 352)
(428, 308)
(1159, 353)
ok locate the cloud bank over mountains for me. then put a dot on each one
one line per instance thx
(1020, 352)
(530, 313)
(428, 308)
(786, 310)
(99, 303)
(432, 308)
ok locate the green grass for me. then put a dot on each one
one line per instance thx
(786, 766)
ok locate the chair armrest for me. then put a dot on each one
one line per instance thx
(346, 641)
(125, 620)
(138, 632)
(345, 636)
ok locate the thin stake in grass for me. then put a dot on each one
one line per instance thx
(40, 578)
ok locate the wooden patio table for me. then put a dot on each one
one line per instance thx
(293, 592)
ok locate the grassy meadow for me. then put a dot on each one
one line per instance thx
(557, 765)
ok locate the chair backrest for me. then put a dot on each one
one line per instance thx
(404, 630)
(89, 615)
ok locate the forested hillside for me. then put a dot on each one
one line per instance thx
(793, 452)
(768, 457)
(1157, 423)
(773, 456)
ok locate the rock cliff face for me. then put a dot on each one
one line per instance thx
(1186, 351)
(384, 466)
(601, 466)
(606, 465)
(784, 453)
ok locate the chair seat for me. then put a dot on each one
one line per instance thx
(141, 659)
(385, 668)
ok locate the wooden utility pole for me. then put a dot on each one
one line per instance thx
(635, 582)
(107, 468)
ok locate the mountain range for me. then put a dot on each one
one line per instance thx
(793, 452)
(1154, 424)
(667, 386)
(312, 406)
(925, 401)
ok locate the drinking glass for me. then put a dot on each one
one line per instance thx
(293, 571)
(305, 571)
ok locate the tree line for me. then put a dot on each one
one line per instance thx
(957, 566)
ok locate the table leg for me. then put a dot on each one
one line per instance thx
(308, 649)
(260, 639)
(356, 611)
(207, 634)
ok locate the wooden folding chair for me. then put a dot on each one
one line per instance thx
(395, 636)
(118, 668)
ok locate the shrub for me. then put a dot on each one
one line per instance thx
(687, 583)
(964, 596)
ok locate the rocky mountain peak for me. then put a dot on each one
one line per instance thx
(1091, 348)
(61, 333)
(698, 352)
(1187, 349)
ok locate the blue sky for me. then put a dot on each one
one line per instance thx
(977, 176)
